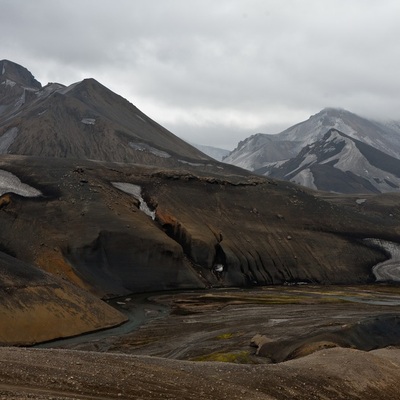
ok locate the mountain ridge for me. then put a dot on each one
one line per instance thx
(260, 153)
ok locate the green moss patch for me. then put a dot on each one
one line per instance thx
(241, 357)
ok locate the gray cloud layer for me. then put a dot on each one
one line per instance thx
(215, 72)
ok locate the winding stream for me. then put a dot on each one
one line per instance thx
(139, 309)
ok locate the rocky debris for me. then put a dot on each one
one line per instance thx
(331, 374)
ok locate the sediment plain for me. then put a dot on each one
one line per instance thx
(205, 347)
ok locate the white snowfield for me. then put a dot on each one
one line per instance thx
(7, 140)
(388, 270)
(10, 183)
(88, 121)
(136, 192)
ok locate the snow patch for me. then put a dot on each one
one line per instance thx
(136, 192)
(388, 270)
(7, 140)
(305, 178)
(10, 183)
(8, 82)
(21, 100)
(88, 121)
(190, 163)
(152, 150)
(4, 70)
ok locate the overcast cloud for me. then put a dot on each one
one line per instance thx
(215, 72)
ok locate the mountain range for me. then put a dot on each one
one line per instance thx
(98, 201)
(334, 150)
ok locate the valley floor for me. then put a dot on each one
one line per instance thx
(178, 354)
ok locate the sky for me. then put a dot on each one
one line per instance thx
(216, 72)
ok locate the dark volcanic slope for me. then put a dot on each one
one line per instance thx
(260, 231)
(85, 121)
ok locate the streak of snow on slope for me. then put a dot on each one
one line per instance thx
(190, 163)
(305, 178)
(136, 192)
(150, 149)
(7, 140)
(10, 183)
(88, 121)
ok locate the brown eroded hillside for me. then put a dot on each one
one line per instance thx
(36, 306)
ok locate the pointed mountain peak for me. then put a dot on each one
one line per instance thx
(12, 74)
(332, 112)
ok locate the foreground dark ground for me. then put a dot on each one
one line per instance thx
(204, 328)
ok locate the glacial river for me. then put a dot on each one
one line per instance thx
(140, 309)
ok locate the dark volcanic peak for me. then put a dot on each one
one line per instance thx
(12, 73)
(85, 120)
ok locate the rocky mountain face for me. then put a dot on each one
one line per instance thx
(166, 218)
(274, 155)
(339, 163)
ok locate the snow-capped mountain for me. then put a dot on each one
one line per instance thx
(339, 163)
(261, 149)
(300, 153)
